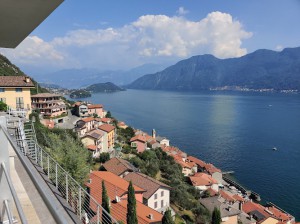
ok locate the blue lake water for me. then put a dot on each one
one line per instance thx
(234, 131)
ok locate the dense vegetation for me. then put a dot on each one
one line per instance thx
(262, 69)
(157, 164)
(65, 148)
(77, 94)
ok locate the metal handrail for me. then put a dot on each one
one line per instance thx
(71, 190)
(51, 204)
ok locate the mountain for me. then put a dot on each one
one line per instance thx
(103, 87)
(258, 70)
(9, 69)
(78, 78)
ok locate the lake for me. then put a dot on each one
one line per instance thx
(233, 130)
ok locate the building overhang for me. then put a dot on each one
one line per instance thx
(19, 18)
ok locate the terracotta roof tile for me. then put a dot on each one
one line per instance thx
(15, 81)
(42, 95)
(92, 147)
(210, 168)
(107, 128)
(94, 106)
(202, 179)
(149, 184)
(87, 119)
(140, 138)
(197, 161)
(119, 166)
(226, 196)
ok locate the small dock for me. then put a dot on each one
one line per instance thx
(249, 193)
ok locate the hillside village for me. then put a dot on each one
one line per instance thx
(122, 154)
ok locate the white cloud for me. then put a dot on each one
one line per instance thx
(182, 11)
(151, 38)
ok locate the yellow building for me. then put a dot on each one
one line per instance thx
(15, 92)
(110, 130)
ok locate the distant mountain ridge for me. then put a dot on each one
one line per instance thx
(80, 78)
(258, 70)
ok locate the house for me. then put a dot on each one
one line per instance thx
(163, 141)
(106, 120)
(15, 92)
(122, 125)
(95, 110)
(110, 130)
(188, 168)
(201, 164)
(96, 141)
(229, 215)
(81, 109)
(85, 125)
(119, 167)
(117, 192)
(139, 143)
(49, 104)
(157, 195)
(203, 181)
(214, 172)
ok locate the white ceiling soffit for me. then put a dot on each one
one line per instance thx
(18, 18)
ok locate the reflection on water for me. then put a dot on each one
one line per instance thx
(235, 131)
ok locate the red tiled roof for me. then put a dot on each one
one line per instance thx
(149, 184)
(106, 127)
(118, 166)
(250, 206)
(92, 147)
(106, 119)
(238, 198)
(140, 138)
(15, 81)
(210, 168)
(94, 106)
(202, 179)
(42, 95)
(87, 119)
(279, 214)
(226, 196)
(197, 161)
(117, 186)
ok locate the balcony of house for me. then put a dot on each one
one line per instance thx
(34, 187)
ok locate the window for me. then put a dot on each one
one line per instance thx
(162, 203)
(2, 90)
(18, 90)
(155, 196)
(133, 144)
(155, 204)
(3, 99)
(162, 193)
(19, 103)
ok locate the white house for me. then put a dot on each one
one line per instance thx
(157, 195)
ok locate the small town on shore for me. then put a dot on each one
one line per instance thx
(117, 148)
(122, 155)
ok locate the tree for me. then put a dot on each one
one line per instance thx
(104, 156)
(3, 106)
(108, 114)
(131, 206)
(105, 205)
(167, 218)
(216, 216)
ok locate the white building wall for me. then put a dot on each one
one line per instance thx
(157, 200)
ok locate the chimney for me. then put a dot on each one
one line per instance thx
(153, 133)
(118, 199)
(27, 79)
(150, 216)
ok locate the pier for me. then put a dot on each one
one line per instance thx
(249, 193)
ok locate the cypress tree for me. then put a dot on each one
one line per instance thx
(105, 205)
(216, 216)
(167, 218)
(131, 217)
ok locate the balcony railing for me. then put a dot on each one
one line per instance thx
(59, 181)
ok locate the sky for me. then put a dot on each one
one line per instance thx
(118, 34)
